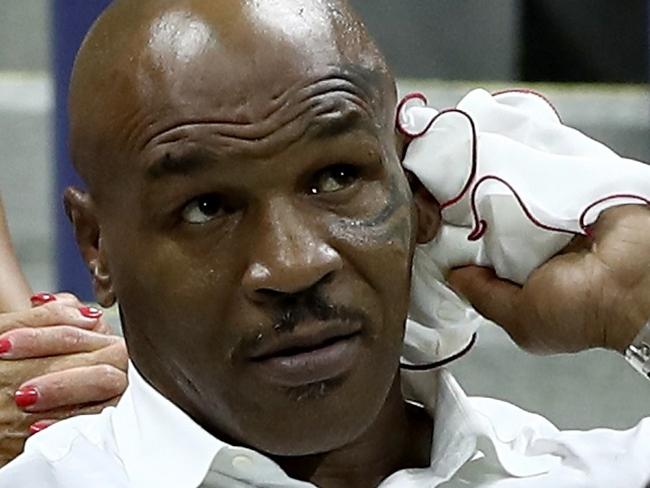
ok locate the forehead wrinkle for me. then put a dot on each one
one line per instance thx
(329, 95)
(134, 122)
(220, 148)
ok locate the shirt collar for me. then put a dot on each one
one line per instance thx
(160, 445)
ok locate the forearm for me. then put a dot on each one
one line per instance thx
(14, 290)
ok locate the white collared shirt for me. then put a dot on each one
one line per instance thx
(146, 442)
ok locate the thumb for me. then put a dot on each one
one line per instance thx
(494, 298)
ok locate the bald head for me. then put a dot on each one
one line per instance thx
(144, 58)
(245, 181)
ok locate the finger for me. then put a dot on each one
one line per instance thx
(103, 327)
(42, 298)
(494, 298)
(50, 314)
(65, 298)
(51, 341)
(71, 300)
(79, 386)
(67, 411)
(115, 355)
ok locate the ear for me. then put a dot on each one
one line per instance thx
(427, 209)
(82, 214)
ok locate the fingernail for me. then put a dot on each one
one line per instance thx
(5, 346)
(91, 312)
(36, 427)
(26, 396)
(42, 298)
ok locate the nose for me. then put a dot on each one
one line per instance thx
(290, 254)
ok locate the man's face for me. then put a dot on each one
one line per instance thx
(259, 233)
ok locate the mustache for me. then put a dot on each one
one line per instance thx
(307, 306)
(312, 305)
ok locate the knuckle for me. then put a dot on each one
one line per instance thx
(70, 331)
(110, 380)
(70, 338)
(29, 319)
(119, 354)
(54, 311)
(103, 327)
(65, 296)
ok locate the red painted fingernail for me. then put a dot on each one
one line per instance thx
(5, 346)
(26, 396)
(91, 312)
(36, 427)
(42, 298)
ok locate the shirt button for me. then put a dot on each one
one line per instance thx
(242, 462)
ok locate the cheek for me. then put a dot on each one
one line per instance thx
(381, 253)
(163, 287)
(384, 239)
(380, 245)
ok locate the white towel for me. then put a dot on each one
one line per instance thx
(515, 186)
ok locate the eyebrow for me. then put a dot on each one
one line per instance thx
(327, 126)
(181, 164)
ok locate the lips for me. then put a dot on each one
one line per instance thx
(309, 355)
(305, 337)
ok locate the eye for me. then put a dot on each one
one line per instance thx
(333, 179)
(203, 209)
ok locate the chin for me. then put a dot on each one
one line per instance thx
(314, 419)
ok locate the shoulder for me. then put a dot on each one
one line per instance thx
(509, 420)
(74, 453)
(604, 457)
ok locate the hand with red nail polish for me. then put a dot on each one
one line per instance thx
(56, 356)
(57, 359)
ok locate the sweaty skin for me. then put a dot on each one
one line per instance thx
(244, 189)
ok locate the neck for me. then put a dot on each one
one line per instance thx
(399, 438)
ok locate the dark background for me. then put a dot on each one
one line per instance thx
(602, 41)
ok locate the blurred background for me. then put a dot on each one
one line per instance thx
(590, 57)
